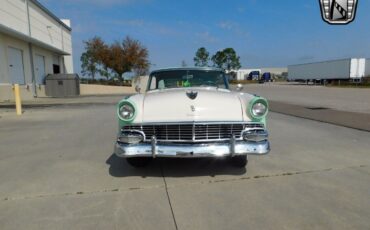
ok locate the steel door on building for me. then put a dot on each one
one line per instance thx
(16, 70)
(40, 69)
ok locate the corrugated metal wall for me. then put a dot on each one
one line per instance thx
(62, 85)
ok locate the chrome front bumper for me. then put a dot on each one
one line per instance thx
(193, 150)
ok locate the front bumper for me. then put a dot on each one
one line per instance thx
(193, 150)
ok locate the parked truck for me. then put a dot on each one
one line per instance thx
(351, 69)
(266, 77)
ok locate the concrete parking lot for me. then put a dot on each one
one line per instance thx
(343, 99)
(57, 171)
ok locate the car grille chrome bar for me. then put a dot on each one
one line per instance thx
(193, 132)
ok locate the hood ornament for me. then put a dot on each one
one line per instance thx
(192, 94)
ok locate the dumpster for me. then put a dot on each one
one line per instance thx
(62, 85)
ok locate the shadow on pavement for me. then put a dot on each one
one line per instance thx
(174, 168)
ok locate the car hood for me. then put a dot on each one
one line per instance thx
(174, 105)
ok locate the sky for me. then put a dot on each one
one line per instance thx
(264, 33)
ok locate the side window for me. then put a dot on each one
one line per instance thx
(153, 83)
(220, 81)
(161, 84)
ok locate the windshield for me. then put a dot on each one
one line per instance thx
(187, 78)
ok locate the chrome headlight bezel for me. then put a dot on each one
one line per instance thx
(125, 107)
(258, 103)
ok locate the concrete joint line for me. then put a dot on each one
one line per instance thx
(168, 198)
(271, 175)
(79, 193)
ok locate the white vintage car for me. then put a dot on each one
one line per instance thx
(191, 113)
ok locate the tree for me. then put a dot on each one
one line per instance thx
(226, 59)
(88, 65)
(91, 58)
(94, 59)
(219, 59)
(128, 56)
(201, 57)
(117, 58)
(136, 55)
(232, 60)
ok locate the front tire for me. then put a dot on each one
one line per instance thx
(138, 162)
(239, 161)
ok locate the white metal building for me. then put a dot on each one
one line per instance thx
(243, 74)
(33, 43)
(275, 70)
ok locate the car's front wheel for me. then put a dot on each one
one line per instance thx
(240, 161)
(138, 162)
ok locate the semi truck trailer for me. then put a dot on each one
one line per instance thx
(351, 69)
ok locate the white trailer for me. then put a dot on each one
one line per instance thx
(367, 68)
(346, 69)
(243, 74)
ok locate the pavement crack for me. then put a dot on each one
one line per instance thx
(78, 193)
(168, 197)
(264, 176)
(286, 174)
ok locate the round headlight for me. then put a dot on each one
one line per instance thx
(259, 109)
(126, 111)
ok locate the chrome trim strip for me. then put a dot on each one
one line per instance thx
(193, 133)
(196, 122)
(196, 141)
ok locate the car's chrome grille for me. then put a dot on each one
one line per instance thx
(194, 132)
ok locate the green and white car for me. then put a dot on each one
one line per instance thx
(191, 113)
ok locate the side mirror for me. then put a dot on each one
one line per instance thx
(239, 87)
(137, 89)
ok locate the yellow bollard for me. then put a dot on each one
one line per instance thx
(18, 104)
